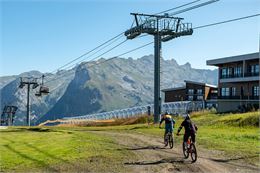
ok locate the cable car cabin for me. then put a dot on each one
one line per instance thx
(43, 90)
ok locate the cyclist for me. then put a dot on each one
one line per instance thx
(169, 124)
(190, 129)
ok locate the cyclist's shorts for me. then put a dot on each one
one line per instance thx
(168, 128)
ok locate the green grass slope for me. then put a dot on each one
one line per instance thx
(57, 150)
(76, 149)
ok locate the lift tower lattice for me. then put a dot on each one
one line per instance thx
(163, 28)
(28, 81)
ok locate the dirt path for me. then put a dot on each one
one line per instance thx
(151, 156)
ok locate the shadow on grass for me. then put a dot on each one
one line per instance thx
(138, 127)
(34, 129)
(13, 130)
(229, 161)
(37, 129)
(46, 153)
(35, 161)
(39, 162)
(147, 148)
(169, 160)
(232, 159)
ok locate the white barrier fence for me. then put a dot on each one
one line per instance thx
(171, 107)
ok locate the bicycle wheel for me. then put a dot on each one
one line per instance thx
(170, 140)
(185, 151)
(166, 140)
(193, 153)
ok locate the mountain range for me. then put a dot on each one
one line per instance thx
(97, 86)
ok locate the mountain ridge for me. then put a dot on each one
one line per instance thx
(97, 87)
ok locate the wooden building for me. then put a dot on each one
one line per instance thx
(238, 82)
(192, 91)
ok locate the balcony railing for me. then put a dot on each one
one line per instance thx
(239, 97)
(230, 76)
(251, 74)
(238, 75)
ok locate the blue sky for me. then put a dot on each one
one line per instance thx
(44, 35)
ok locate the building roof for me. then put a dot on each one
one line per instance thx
(184, 87)
(216, 62)
(173, 89)
(200, 83)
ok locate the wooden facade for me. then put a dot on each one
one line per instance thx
(238, 82)
(192, 91)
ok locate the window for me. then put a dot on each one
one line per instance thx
(254, 69)
(233, 91)
(238, 71)
(230, 71)
(257, 68)
(190, 91)
(227, 72)
(224, 91)
(255, 90)
(190, 97)
(224, 72)
(200, 97)
(199, 91)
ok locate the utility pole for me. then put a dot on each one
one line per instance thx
(28, 81)
(163, 28)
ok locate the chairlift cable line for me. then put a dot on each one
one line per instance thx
(202, 26)
(227, 21)
(132, 50)
(117, 55)
(85, 58)
(178, 12)
(90, 59)
(177, 7)
(193, 7)
(115, 38)
(205, 26)
(199, 5)
(103, 53)
(88, 52)
(181, 11)
(100, 54)
(92, 55)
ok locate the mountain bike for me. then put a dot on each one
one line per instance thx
(169, 139)
(189, 149)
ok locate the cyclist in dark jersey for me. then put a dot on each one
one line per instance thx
(190, 130)
(169, 123)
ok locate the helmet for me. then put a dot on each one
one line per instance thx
(166, 113)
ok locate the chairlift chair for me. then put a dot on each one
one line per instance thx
(43, 89)
(38, 94)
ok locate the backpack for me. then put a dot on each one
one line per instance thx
(193, 127)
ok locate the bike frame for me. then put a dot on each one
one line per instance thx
(190, 151)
